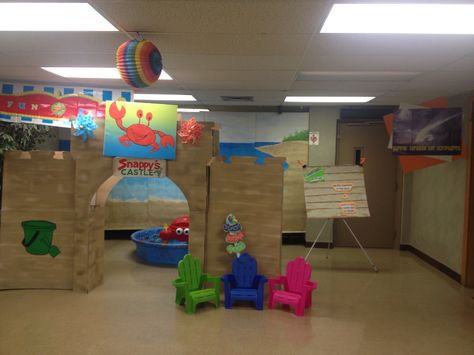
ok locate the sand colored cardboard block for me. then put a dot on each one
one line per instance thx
(296, 153)
(38, 187)
(254, 193)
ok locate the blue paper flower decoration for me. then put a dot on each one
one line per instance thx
(84, 125)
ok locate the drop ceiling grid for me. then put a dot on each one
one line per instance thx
(248, 47)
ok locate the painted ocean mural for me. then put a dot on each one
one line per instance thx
(137, 203)
(270, 135)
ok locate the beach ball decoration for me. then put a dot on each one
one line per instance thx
(139, 63)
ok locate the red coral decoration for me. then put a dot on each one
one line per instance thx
(189, 131)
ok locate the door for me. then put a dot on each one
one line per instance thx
(357, 142)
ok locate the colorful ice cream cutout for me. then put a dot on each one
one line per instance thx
(234, 235)
(177, 230)
(38, 238)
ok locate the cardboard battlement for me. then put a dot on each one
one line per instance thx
(37, 155)
(250, 160)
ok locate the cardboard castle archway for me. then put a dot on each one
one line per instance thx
(188, 171)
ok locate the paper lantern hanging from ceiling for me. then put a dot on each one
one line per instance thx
(139, 63)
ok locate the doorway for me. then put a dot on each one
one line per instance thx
(128, 205)
(365, 143)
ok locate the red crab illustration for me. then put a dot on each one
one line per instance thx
(178, 230)
(138, 133)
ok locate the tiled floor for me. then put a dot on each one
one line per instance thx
(407, 308)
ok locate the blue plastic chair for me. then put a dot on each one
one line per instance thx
(244, 283)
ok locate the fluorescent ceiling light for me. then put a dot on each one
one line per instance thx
(51, 17)
(163, 97)
(93, 73)
(329, 99)
(84, 73)
(164, 76)
(192, 110)
(400, 18)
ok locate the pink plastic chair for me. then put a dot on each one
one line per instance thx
(297, 286)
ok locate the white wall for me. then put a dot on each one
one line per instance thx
(250, 127)
(324, 121)
(434, 212)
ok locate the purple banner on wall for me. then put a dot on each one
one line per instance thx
(436, 131)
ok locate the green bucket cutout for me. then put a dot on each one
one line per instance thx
(38, 238)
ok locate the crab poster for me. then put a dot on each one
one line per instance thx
(140, 130)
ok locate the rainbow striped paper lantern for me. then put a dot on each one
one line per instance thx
(139, 63)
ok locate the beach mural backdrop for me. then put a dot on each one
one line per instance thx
(140, 203)
(137, 203)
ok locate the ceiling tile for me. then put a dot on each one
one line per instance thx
(388, 45)
(334, 92)
(443, 83)
(196, 76)
(231, 44)
(231, 62)
(58, 59)
(346, 86)
(211, 97)
(237, 85)
(36, 74)
(60, 42)
(237, 16)
(399, 62)
(399, 99)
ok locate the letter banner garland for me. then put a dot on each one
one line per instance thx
(50, 107)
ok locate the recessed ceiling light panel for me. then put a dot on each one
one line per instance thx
(93, 73)
(329, 99)
(84, 73)
(52, 16)
(400, 18)
(163, 97)
(194, 110)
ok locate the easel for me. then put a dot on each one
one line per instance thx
(355, 238)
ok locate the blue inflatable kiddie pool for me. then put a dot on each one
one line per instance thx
(151, 249)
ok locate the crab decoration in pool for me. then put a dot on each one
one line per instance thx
(139, 133)
(178, 230)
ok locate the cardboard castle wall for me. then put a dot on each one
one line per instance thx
(37, 186)
(254, 194)
(70, 190)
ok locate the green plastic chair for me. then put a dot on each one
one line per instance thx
(190, 285)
